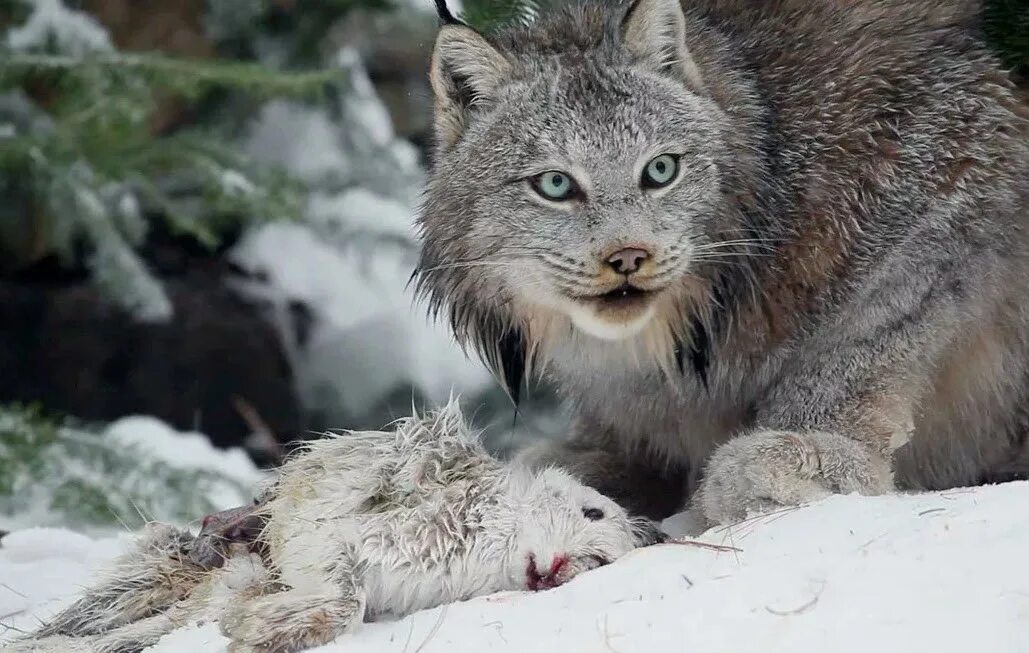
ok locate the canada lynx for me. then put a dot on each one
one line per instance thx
(766, 250)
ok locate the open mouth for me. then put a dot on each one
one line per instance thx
(624, 296)
(537, 579)
(619, 313)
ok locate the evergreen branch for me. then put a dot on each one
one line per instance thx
(187, 76)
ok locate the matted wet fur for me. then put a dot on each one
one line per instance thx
(356, 526)
(831, 294)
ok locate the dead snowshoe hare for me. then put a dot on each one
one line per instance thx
(355, 526)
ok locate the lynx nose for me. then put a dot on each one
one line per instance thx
(628, 260)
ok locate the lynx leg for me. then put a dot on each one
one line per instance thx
(767, 469)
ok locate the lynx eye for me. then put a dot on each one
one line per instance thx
(660, 171)
(554, 185)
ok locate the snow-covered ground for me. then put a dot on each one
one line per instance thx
(931, 572)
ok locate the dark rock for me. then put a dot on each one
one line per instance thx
(63, 346)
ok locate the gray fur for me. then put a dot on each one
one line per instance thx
(841, 289)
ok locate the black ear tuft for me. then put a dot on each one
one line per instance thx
(445, 16)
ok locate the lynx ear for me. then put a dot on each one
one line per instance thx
(655, 31)
(466, 71)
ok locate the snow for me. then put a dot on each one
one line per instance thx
(349, 260)
(234, 182)
(72, 33)
(39, 564)
(300, 138)
(367, 324)
(190, 451)
(359, 210)
(230, 476)
(364, 110)
(937, 571)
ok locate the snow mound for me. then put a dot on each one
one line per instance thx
(234, 474)
(134, 469)
(938, 571)
(185, 450)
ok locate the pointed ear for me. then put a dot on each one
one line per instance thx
(655, 31)
(466, 71)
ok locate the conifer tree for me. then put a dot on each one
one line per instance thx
(83, 173)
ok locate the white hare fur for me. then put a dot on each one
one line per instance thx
(360, 525)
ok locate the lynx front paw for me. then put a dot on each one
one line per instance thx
(757, 472)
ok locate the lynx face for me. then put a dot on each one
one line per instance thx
(600, 206)
(581, 185)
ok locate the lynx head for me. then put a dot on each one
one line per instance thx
(577, 187)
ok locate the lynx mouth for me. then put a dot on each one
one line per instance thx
(616, 314)
(625, 297)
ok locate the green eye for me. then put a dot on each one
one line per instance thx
(554, 185)
(660, 171)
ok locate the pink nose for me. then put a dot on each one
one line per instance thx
(628, 260)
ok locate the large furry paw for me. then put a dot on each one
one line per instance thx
(757, 472)
(289, 621)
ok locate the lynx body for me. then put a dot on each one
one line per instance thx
(765, 250)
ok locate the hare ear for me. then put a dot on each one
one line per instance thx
(655, 31)
(466, 72)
